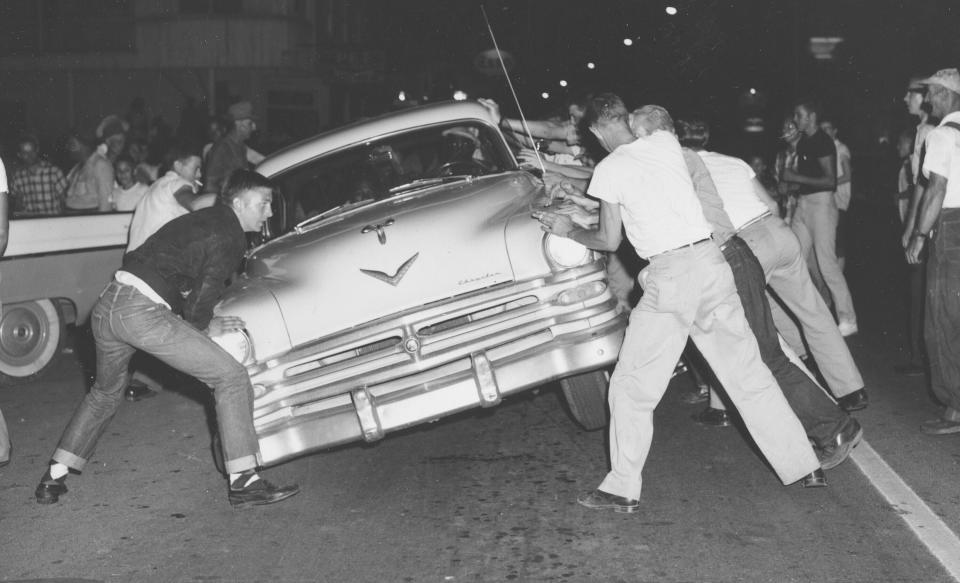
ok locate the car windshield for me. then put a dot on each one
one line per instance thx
(391, 166)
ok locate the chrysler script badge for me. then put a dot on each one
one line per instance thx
(381, 234)
(396, 277)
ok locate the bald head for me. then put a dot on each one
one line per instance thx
(650, 118)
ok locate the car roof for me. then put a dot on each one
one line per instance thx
(368, 129)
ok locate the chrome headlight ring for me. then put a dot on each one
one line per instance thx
(237, 344)
(564, 253)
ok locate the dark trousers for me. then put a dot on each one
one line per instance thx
(942, 324)
(917, 275)
(822, 419)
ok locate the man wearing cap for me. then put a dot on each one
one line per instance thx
(937, 224)
(229, 153)
(91, 189)
(644, 185)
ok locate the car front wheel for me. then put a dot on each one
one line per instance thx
(586, 396)
(31, 334)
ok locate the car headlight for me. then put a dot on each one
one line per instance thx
(565, 253)
(237, 344)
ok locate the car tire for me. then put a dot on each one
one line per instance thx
(31, 335)
(586, 396)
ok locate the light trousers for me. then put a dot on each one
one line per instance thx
(690, 293)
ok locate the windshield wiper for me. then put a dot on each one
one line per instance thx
(329, 212)
(425, 182)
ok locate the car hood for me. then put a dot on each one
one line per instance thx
(394, 255)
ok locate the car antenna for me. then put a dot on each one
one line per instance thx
(516, 100)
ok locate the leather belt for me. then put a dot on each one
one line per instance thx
(680, 248)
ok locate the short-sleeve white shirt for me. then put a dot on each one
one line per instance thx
(943, 158)
(649, 180)
(3, 178)
(734, 180)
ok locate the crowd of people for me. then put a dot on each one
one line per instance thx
(741, 277)
(742, 271)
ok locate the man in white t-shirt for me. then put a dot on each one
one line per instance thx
(644, 186)
(938, 221)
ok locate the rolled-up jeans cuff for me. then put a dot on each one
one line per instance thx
(241, 464)
(68, 459)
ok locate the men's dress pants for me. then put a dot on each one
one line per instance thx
(778, 250)
(125, 320)
(815, 224)
(4, 440)
(942, 324)
(690, 292)
(822, 419)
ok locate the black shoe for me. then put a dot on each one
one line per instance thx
(138, 391)
(600, 500)
(49, 490)
(854, 401)
(259, 492)
(838, 450)
(712, 417)
(909, 370)
(816, 479)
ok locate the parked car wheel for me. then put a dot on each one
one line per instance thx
(31, 334)
(586, 395)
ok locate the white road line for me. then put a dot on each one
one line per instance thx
(942, 542)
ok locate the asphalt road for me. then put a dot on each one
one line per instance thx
(490, 495)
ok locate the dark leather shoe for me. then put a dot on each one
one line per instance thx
(261, 492)
(138, 391)
(600, 500)
(838, 450)
(49, 490)
(712, 417)
(854, 401)
(815, 479)
(909, 369)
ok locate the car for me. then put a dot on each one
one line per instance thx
(403, 280)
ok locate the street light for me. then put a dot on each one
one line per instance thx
(545, 95)
(627, 42)
(459, 95)
(402, 96)
(671, 10)
(563, 82)
(591, 66)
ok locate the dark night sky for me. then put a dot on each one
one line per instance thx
(702, 60)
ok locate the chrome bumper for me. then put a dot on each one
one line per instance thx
(434, 361)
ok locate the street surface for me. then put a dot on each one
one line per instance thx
(490, 495)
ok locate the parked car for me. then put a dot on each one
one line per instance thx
(406, 281)
(53, 270)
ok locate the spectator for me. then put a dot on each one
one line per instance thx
(166, 199)
(92, 186)
(143, 171)
(815, 221)
(844, 187)
(127, 192)
(938, 219)
(230, 152)
(787, 158)
(4, 227)
(37, 187)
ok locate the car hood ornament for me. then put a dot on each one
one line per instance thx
(396, 277)
(381, 234)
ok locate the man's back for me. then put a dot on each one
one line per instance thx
(734, 181)
(649, 179)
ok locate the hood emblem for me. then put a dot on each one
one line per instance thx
(396, 277)
(381, 234)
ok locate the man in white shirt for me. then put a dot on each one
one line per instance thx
(4, 229)
(938, 221)
(644, 186)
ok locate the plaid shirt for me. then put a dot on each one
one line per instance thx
(39, 189)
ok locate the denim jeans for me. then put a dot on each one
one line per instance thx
(942, 324)
(822, 419)
(779, 252)
(690, 293)
(123, 321)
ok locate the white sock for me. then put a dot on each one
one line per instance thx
(58, 470)
(235, 483)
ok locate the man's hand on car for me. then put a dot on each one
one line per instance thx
(221, 325)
